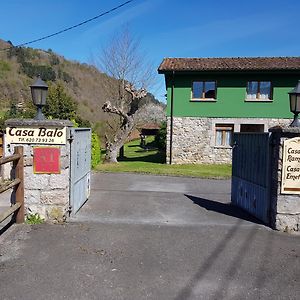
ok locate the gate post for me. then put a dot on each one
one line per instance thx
(46, 164)
(285, 203)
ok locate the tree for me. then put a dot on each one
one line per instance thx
(18, 110)
(123, 60)
(59, 104)
(127, 117)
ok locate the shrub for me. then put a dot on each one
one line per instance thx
(34, 219)
(54, 60)
(23, 54)
(18, 52)
(59, 104)
(46, 72)
(15, 112)
(161, 137)
(82, 122)
(96, 150)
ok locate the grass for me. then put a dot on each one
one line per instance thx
(151, 161)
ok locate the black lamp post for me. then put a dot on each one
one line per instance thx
(39, 92)
(295, 104)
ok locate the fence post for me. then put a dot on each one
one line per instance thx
(19, 173)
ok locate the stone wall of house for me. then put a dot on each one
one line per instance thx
(285, 208)
(194, 138)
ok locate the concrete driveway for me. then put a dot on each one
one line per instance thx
(151, 237)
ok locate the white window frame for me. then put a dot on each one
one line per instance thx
(203, 98)
(258, 94)
(224, 128)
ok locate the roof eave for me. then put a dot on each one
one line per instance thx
(229, 71)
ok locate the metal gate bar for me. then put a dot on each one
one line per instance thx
(250, 186)
(80, 167)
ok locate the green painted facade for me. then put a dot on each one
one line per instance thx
(231, 95)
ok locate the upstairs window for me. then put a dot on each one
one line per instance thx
(259, 90)
(202, 90)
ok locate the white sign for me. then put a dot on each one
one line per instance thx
(290, 183)
(40, 135)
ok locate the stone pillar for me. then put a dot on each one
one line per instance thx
(284, 208)
(46, 192)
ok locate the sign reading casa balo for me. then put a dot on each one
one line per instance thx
(40, 135)
(290, 183)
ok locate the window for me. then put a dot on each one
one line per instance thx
(204, 90)
(252, 128)
(224, 134)
(259, 90)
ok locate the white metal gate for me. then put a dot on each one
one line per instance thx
(80, 167)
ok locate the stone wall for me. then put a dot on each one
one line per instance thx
(285, 209)
(45, 194)
(194, 138)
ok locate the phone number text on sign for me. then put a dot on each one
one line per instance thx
(41, 135)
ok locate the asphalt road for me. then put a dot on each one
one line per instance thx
(151, 237)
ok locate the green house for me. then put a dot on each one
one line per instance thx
(210, 98)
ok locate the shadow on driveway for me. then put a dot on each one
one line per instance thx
(223, 208)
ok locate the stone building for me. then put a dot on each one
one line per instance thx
(210, 98)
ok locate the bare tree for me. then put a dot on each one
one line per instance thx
(123, 60)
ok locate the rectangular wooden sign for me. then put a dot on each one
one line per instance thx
(40, 135)
(46, 160)
(290, 181)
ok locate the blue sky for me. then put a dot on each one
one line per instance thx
(165, 28)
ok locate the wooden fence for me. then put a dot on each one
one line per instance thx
(17, 183)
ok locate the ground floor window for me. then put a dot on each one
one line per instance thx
(252, 128)
(224, 134)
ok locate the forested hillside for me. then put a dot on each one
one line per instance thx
(84, 83)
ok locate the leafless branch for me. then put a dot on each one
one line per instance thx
(136, 94)
(110, 126)
(108, 107)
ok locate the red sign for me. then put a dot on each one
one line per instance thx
(46, 160)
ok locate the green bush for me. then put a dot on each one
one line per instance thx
(59, 104)
(161, 137)
(34, 219)
(14, 112)
(23, 54)
(46, 72)
(18, 52)
(96, 150)
(82, 122)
